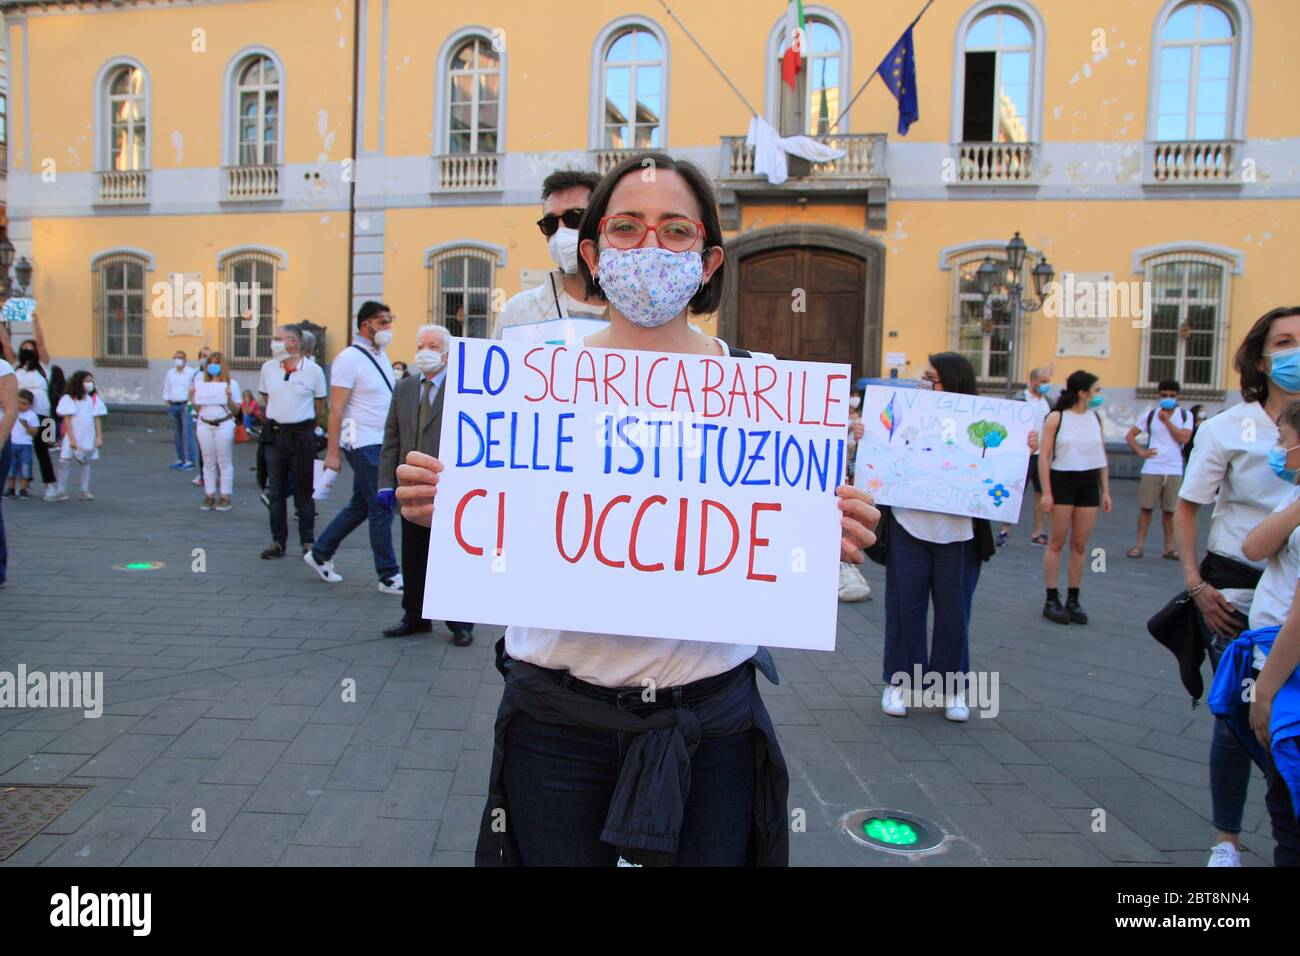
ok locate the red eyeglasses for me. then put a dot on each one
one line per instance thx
(627, 232)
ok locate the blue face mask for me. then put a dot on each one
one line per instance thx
(1284, 369)
(1042, 389)
(1169, 403)
(1277, 461)
(214, 370)
(1096, 400)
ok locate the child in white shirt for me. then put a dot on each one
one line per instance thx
(20, 470)
(81, 409)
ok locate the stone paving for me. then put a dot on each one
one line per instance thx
(223, 693)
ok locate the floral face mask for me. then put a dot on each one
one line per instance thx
(650, 285)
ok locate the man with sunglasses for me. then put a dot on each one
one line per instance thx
(563, 294)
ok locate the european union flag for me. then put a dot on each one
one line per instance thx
(898, 70)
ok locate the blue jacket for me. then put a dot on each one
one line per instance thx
(1226, 701)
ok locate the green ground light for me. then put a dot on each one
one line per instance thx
(138, 566)
(890, 830)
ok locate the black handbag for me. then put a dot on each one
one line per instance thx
(879, 552)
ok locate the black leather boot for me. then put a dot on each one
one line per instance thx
(1075, 612)
(1053, 611)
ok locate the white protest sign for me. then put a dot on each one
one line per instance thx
(18, 309)
(688, 497)
(210, 393)
(941, 451)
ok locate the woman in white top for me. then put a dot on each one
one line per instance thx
(653, 246)
(932, 558)
(216, 430)
(1076, 482)
(81, 409)
(32, 367)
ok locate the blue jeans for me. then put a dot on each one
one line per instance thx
(559, 781)
(918, 573)
(1230, 762)
(183, 432)
(362, 506)
(6, 453)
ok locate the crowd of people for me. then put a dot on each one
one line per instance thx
(694, 773)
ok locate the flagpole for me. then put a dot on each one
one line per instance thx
(713, 63)
(845, 112)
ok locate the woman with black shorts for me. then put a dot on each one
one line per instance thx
(1072, 469)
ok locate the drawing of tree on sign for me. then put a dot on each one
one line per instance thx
(986, 435)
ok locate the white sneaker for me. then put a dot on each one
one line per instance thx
(894, 702)
(957, 710)
(57, 496)
(325, 571)
(51, 493)
(1224, 854)
(393, 585)
(853, 586)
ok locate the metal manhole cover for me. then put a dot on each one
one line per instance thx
(892, 831)
(26, 810)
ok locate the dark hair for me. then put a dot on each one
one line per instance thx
(58, 384)
(1254, 383)
(1195, 410)
(26, 393)
(956, 374)
(1291, 416)
(77, 384)
(563, 179)
(28, 356)
(710, 294)
(369, 309)
(1079, 381)
(1168, 385)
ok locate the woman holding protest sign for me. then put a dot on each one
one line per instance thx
(1076, 482)
(659, 751)
(933, 557)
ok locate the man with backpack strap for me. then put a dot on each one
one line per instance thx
(1167, 428)
(361, 390)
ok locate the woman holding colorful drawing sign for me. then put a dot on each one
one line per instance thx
(1076, 482)
(658, 751)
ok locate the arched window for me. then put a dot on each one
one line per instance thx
(127, 120)
(1186, 335)
(633, 90)
(119, 308)
(461, 281)
(998, 85)
(248, 306)
(257, 104)
(1196, 69)
(474, 98)
(813, 106)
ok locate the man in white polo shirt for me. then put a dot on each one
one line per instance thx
(176, 393)
(293, 394)
(361, 389)
(1168, 428)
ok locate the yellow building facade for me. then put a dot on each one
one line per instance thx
(339, 150)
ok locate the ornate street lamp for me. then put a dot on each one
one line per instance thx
(990, 275)
(23, 273)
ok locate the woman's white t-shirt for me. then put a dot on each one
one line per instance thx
(38, 385)
(79, 416)
(1079, 445)
(614, 660)
(214, 413)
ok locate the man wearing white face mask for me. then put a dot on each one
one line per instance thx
(415, 424)
(361, 389)
(563, 295)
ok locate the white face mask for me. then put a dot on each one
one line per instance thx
(179, 363)
(564, 249)
(90, 388)
(854, 401)
(383, 337)
(428, 360)
(278, 351)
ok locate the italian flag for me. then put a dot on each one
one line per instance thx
(796, 40)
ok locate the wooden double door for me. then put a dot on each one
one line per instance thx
(804, 303)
